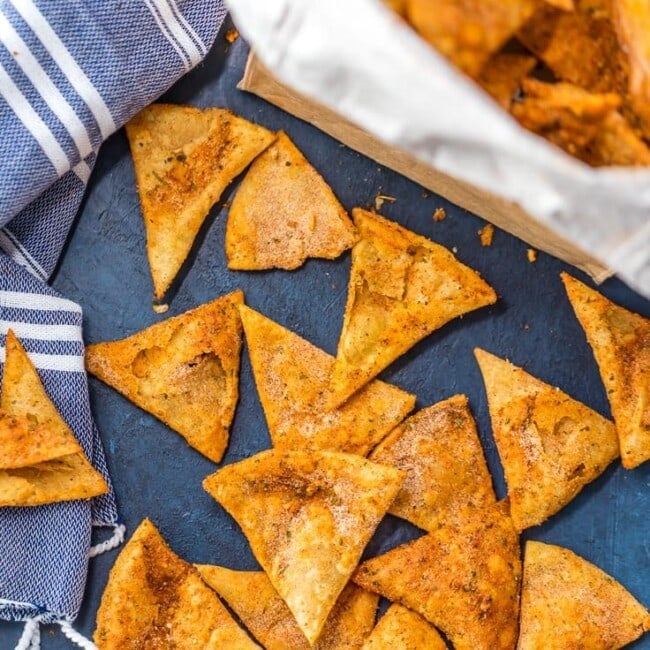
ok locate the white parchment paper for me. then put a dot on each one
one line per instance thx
(359, 59)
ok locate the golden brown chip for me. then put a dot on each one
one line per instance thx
(184, 158)
(550, 445)
(567, 602)
(586, 125)
(402, 287)
(40, 461)
(292, 378)
(582, 47)
(502, 75)
(184, 370)
(468, 32)
(307, 517)
(463, 578)
(154, 599)
(620, 341)
(401, 628)
(252, 597)
(631, 19)
(446, 472)
(283, 213)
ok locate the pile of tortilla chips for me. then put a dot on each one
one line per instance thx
(576, 72)
(345, 451)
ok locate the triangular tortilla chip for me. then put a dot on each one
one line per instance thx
(307, 517)
(402, 287)
(467, 32)
(184, 370)
(401, 628)
(283, 213)
(446, 472)
(184, 158)
(620, 340)
(154, 599)
(567, 602)
(40, 459)
(463, 578)
(292, 378)
(550, 445)
(252, 597)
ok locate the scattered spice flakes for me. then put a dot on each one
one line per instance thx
(439, 215)
(381, 198)
(531, 254)
(232, 35)
(160, 309)
(486, 234)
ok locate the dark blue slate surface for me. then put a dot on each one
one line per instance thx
(157, 475)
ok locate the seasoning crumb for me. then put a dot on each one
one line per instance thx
(232, 35)
(455, 249)
(160, 309)
(486, 234)
(439, 215)
(531, 254)
(526, 326)
(381, 198)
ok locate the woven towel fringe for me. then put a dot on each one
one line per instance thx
(75, 637)
(115, 540)
(31, 636)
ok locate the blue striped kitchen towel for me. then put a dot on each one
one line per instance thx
(71, 73)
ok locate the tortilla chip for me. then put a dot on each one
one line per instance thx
(463, 578)
(468, 32)
(402, 287)
(401, 628)
(567, 602)
(584, 124)
(582, 47)
(292, 378)
(446, 472)
(283, 213)
(550, 445)
(620, 341)
(307, 517)
(252, 597)
(631, 19)
(184, 370)
(41, 461)
(154, 599)
(502, 75)
(184, 158)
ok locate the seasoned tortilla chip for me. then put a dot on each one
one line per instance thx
(446, 472)
(631, 19)
(550, 445)
(463, 578)
(402, 287)
(468, 32)
(307, 517)
(620, 341)
(401, 628)
(586, 125)
(40, 459)
(567, 602)
(184, 158)
(582, 47)
(283, 213)
(502, 75)
(154, 599)
(252, 597)
(184, 370)
(292, 378)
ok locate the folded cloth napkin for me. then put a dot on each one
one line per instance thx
(71, 73)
